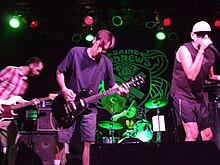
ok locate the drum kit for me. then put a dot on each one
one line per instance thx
(142, 130)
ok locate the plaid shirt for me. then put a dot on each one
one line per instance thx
(12, 82)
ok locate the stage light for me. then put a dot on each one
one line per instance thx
(34, 24)
(167, 22)
(14, 22)
(150, 24)
(89, 37)
(217, 23)
(160, 35)
(88, 20)
(117, 20)
(173, 36)
(76, 37)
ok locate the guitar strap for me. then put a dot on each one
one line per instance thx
(95, 75)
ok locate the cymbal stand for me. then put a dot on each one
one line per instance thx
(111, 130)
(159, 130)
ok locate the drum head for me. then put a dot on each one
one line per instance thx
(143, 130)
(130, 141)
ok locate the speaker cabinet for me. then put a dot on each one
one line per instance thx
(189, 153)
(36, 149)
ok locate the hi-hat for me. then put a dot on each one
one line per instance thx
(110, 125)
(113, 103)
(156, 103)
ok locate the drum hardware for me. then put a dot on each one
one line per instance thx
(110, 125)
(114, 104)
(158, 121)
(156, 103)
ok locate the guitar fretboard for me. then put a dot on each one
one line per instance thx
(22, 105)
(100, 95)
(96, 97)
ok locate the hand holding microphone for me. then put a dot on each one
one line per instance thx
(205, 42)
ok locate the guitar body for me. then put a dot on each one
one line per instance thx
(8, 112)
(66, 113)
(10, 105)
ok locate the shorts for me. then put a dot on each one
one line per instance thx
(8, 133)
(192, 111)
(87, 129)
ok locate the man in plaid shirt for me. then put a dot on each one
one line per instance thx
(13, 83)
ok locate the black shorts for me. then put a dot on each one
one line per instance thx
(192, 111)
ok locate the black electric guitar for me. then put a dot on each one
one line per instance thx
(10, 106)
(66, 113)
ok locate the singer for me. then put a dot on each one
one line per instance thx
(192, 65)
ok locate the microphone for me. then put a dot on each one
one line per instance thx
(215, 50)
(212, 46)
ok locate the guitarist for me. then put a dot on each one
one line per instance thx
(81, 64)
(13, 83)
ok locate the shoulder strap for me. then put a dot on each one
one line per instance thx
(95, 75)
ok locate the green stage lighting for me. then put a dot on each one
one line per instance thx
(117, 20)
(14, 22)
(89, 37)
(160, 35)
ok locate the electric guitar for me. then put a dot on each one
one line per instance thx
(66, 113)
(10, 105)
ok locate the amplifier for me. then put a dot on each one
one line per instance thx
(45, 120)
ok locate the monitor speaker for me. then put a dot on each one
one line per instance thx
(155, 154)
(36, 149)
(214, 110)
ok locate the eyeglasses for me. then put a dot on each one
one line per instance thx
(203, 34)
(103, 49)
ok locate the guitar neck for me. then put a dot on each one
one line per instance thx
(100, 95)
(134, 82)
(22, 105)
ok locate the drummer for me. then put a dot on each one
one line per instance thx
(129, 113)
(128, 117)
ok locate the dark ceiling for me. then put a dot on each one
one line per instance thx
(64, 17)
(66, 11)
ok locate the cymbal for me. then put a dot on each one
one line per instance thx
(110, 125)
(113, 103)
(156, 103)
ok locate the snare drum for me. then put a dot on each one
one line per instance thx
(143, 130)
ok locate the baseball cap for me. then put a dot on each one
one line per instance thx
(201, 26)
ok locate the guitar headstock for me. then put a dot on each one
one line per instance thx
(136, 81)
(51, 96)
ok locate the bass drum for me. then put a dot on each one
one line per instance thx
(130, 141)
(143, 130)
